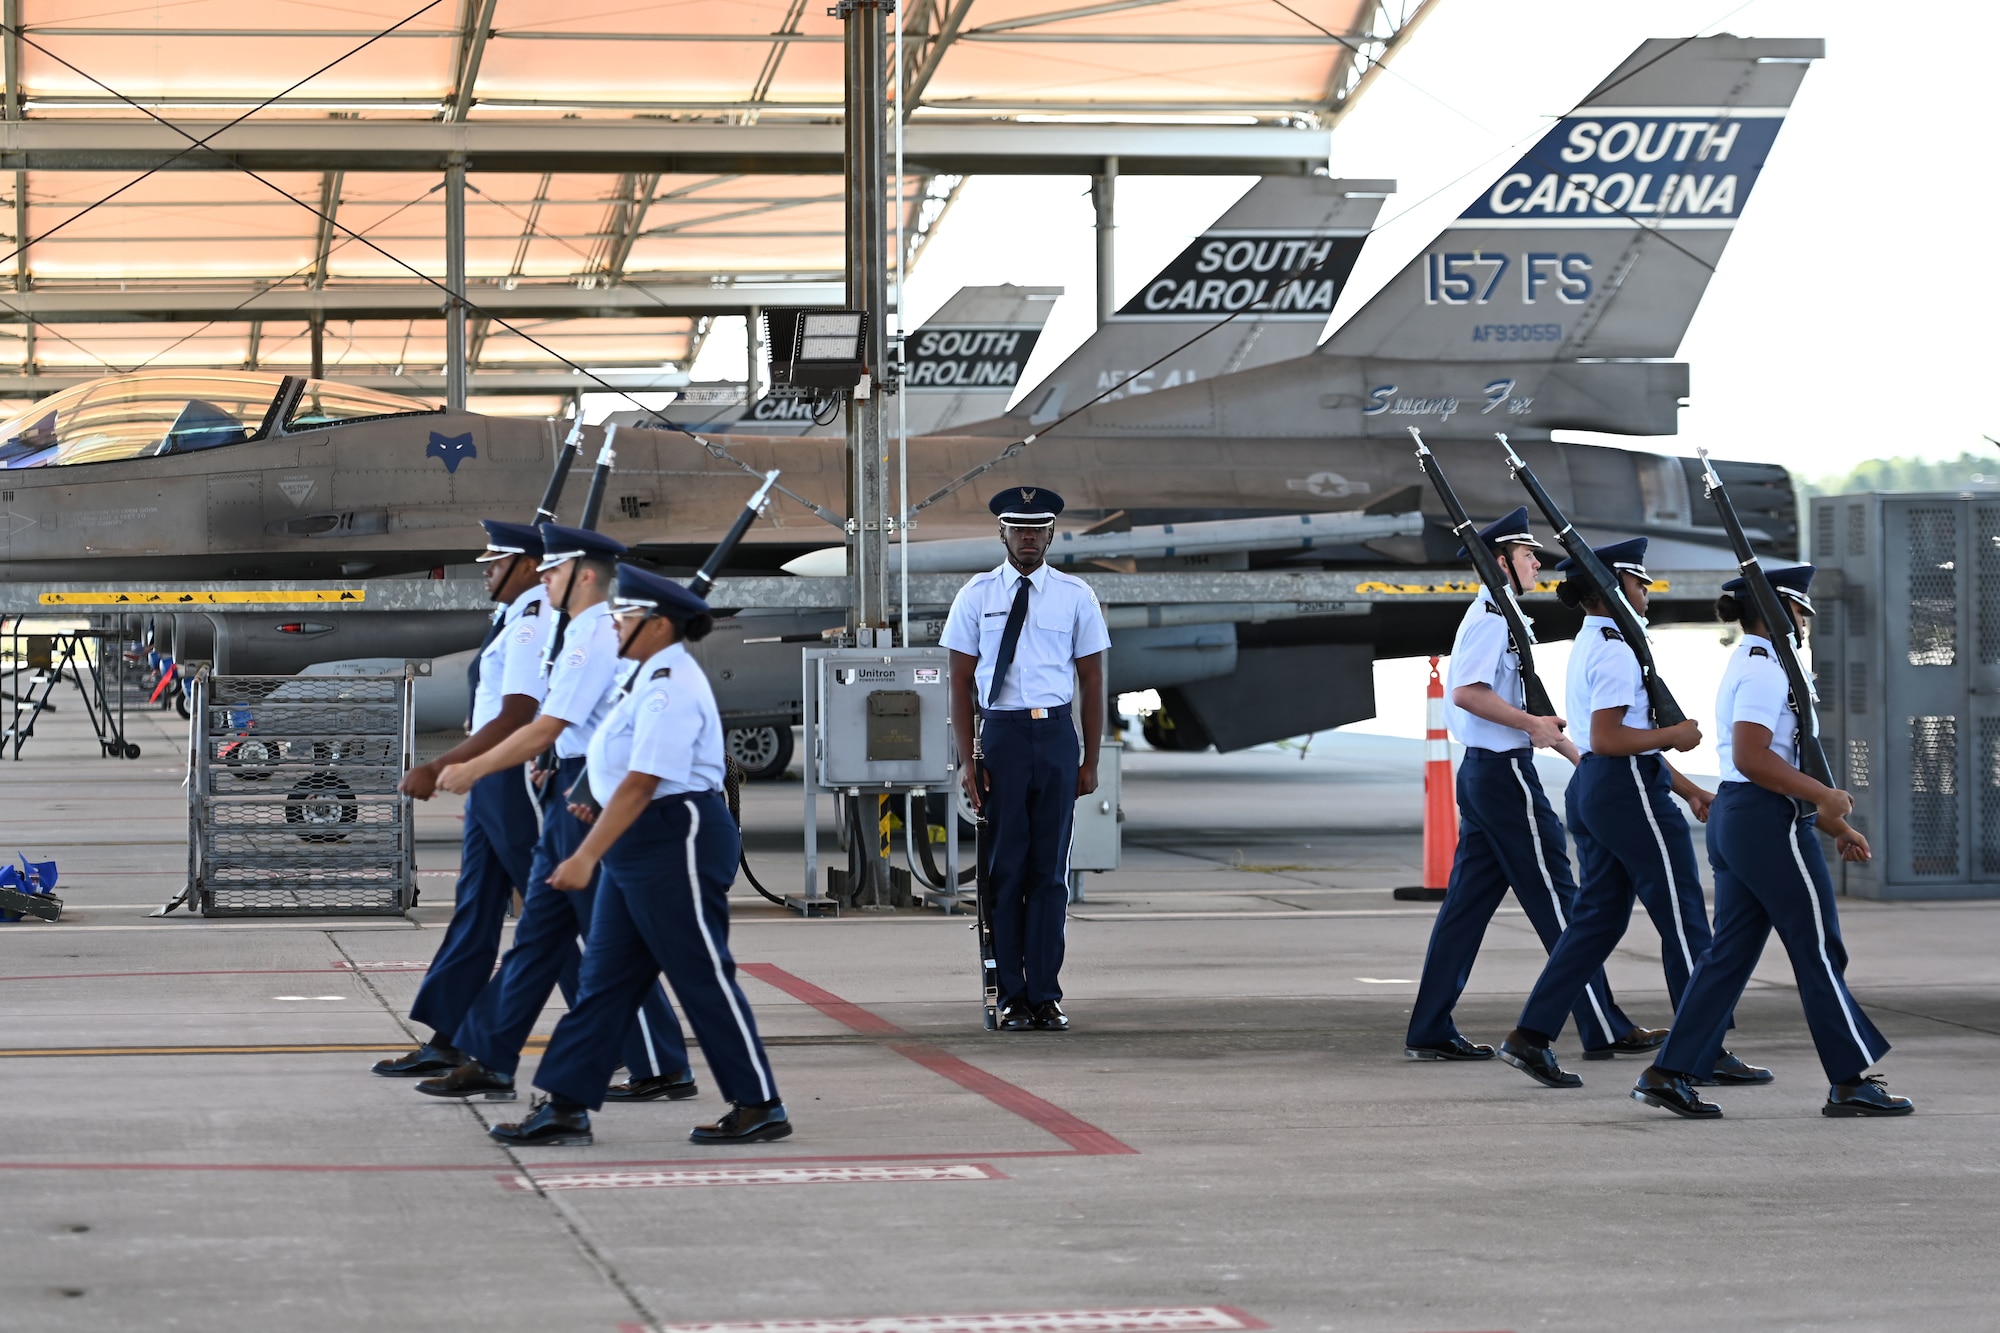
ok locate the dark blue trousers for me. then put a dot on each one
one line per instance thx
(1770, 875)
(1508, 837)
(1631, 840)
(1030, 809)
(499, 847)
(662, 906)
(544, 956)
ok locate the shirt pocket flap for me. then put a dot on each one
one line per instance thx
(1055, 619)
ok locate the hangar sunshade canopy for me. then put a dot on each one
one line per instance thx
(636, 177)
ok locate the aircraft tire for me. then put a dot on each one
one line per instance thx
(763, 753)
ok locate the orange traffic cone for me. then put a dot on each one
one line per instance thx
(1440, 800)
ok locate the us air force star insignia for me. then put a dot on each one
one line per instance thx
(661, 674)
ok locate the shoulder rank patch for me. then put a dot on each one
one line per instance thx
(1493, 609)
(532, 609)
(1760, 652)
(1613, 635)
(661, 674)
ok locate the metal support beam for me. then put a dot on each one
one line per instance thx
(1104, 199)
(21, 280)
(615, 146)
(318, 331)
(631, 299)
(471, 50)
(867, 289)
(754, 332)
(253, 345)
(12, 106)
(417, 383)
(329, 207)
(454, 281)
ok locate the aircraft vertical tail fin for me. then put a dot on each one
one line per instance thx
(1280, 254)
(1600, 240)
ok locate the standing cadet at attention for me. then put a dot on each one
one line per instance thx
(1025, 640)
(1630, 836)
(507, 686)
(668, 851)
(578, 568)
(1770, 873)
(1508, 836)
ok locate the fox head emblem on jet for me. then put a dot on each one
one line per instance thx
(453, 449)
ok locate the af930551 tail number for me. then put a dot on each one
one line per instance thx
(1472, 277)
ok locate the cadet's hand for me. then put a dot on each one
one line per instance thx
(573, 874)
(1685, 736)
(458, 778)
(1836, 804)
(1086, 780)
(584, 814)
(1546, 733)
(976, 792)
(1698, 800)
(1853, 847)
(420, 783)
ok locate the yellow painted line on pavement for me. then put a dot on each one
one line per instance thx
(319, 1048)
(246, 597)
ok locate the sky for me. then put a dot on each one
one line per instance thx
(1850, 317)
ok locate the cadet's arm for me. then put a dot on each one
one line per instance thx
(516, 711)
(1090, 685)
(964, 711)
(1610, 736)
(511, 752)
(634, 794)
(1480, 700)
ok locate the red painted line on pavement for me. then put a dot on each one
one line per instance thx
(1087, 1139)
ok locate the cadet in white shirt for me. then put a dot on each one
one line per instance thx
(1024, 640)
(1508, 835)
(668, 851)
(578, 569)
(507, 686)
(1770, 874)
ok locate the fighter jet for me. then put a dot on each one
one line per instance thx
(1555, 301)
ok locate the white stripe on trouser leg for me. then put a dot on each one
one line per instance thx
(646, 1035)
(1819, 937)
(714, 957)
(1660, 841)
(1548, 883)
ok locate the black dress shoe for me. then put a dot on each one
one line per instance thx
(1670, 1092)
(1458, 1048)
(1639, 1041)
(1865, 1096)
(1733, 1070)
(1049, 1017)
(547, 1127)
(1015, 1016)
(423, 1062)
(674, 1087)
(745, 1124)
(471, 1079)
(1537, 1062)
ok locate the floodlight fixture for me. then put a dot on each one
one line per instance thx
(815, 351)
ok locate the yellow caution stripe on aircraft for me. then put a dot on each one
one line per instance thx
(259, 597)
(1464, 587)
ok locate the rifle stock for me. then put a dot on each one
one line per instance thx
(1534, 695)
(1812, 754)
(1660, 701)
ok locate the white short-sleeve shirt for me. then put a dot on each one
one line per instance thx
(1482, 654)
(512, 663)
(1603, 673)
(1064, 623)
(585, 680)
(666, 725)
(1754, 689)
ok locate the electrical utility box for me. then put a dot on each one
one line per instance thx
(1095, 840)
(882, 717)
(1906, 655)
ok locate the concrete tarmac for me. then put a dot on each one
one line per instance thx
(1230, 1137)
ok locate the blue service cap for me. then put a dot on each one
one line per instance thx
(505, 539)
(561, 544)
(1509, 531)
(1628, 555)
(642, 590)
(1791, 582)
(1026, 506)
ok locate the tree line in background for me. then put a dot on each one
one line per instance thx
(1967, 472)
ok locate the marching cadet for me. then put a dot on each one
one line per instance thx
(1770, 874)
(507, 687)
(578, 568)
(668, 849)
(1508, 836)
(1024, 640)
(1630, 837)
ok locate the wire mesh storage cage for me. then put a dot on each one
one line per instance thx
(292, 801)
(1906, 652)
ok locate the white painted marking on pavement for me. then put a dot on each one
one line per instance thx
(753, 1175)
(1151, 1319)
(1386, 981)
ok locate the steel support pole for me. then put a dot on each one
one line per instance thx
(454, 281)
(867, 284)
(318, 330)
(753, 379)
(1104, 198)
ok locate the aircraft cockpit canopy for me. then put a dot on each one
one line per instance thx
(151, 414)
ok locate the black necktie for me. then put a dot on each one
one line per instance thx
(492, 633)
(1010, 638)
